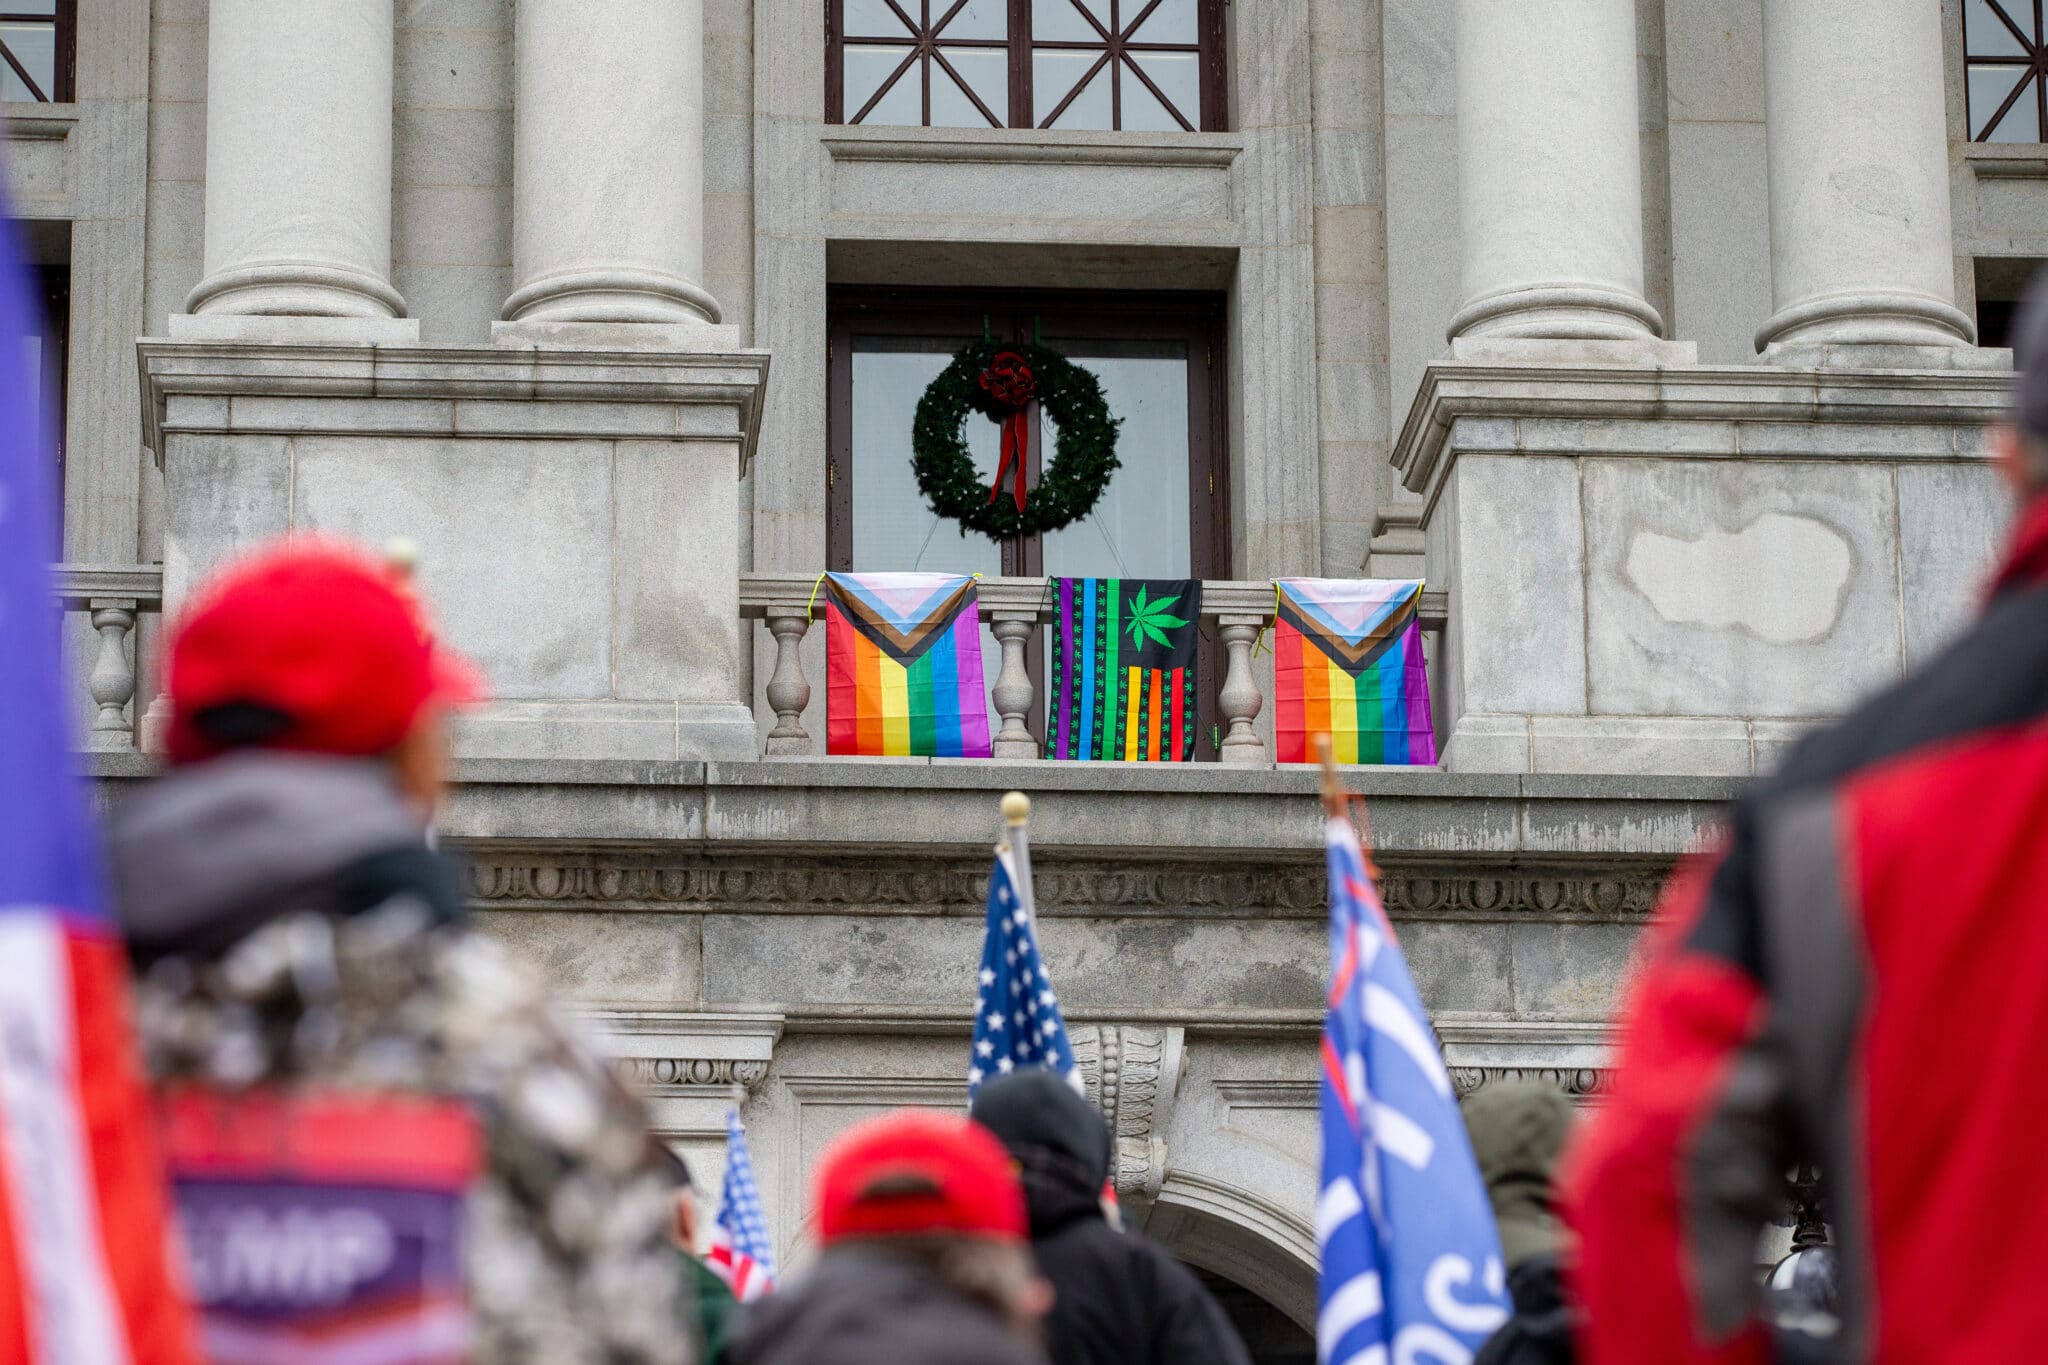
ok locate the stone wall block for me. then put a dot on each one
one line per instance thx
(1521, 583)
(1748, 588)
(1952, 529)
(513, 538)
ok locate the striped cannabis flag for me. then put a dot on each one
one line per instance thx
(1123, 683)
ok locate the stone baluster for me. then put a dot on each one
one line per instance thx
(789, 691)
(1012, 692)
(1240, 698)
(112, 683)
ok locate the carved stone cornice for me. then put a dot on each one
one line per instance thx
(656, 1075)
(511, 878)
(1579, 1082)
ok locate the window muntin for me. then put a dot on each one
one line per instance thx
(1135, 65)
(38, 46)
(2004, 95)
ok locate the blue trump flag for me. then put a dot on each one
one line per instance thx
(1411, 1258)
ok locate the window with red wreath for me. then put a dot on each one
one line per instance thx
(1158, 360)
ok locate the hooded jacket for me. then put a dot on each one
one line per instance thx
(1120, 1299)
(297, 937)
(1856, 978)
(859, 1306)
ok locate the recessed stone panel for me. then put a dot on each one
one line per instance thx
(515, 545)
(1739, 588)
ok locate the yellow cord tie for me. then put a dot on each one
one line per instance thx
(815, 583)
(1259, 640)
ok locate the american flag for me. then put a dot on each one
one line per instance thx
(84, 1240)
(741, 1252)
(1411, 1259)
(1017, 1020)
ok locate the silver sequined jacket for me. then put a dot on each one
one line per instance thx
(292, 928)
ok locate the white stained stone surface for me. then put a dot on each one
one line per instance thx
(1720, 588)
(1861, 247)
(1952, 528)
(608, 163)
(1521, 612)
(298, 160)
(1549, 170)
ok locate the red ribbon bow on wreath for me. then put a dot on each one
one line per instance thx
(1009, 381)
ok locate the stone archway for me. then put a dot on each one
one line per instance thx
(1258, 1259)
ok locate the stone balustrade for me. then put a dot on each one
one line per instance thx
(1236, 611)
(115, 596)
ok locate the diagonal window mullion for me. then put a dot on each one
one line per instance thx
(2006, 107)
(946, 19)
(22, 71)
(1093, 22)
(1999, 116)
(909, 24)
(939, 56)
(1139, 22)
(1079, 86)
(1159, 94)
(883, 88)
(2030, 44)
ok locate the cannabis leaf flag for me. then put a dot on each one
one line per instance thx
(1123, 683)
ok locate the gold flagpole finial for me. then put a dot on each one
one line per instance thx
(402, 556)
(1016, 809)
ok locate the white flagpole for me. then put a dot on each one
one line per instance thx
(1017, 818)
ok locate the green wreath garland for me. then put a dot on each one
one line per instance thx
(1072, 481)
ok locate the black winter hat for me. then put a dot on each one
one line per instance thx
(1034, 1108)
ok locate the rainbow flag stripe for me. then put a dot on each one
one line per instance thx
(1348, 663)
(903, 666)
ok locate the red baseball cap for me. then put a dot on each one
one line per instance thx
(918, 1171)
(311, 645)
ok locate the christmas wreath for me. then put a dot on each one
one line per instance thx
(999, 380)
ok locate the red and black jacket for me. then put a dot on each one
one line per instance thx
(1857, 977)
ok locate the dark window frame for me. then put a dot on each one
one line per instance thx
(926, 39)
(55, 377)
(2033, 85)
(64, 82)
(1017, 314)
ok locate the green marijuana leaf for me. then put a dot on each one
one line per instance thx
(1150, 620)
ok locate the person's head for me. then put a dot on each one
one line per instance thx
(2022, 445)
(313, 646)
(1047, 1126)
(684, 1190)
(938, 1190)
(1518, 1128)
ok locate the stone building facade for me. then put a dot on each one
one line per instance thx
(1647, 332)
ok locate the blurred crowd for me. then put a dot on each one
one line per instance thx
(310, 1000)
